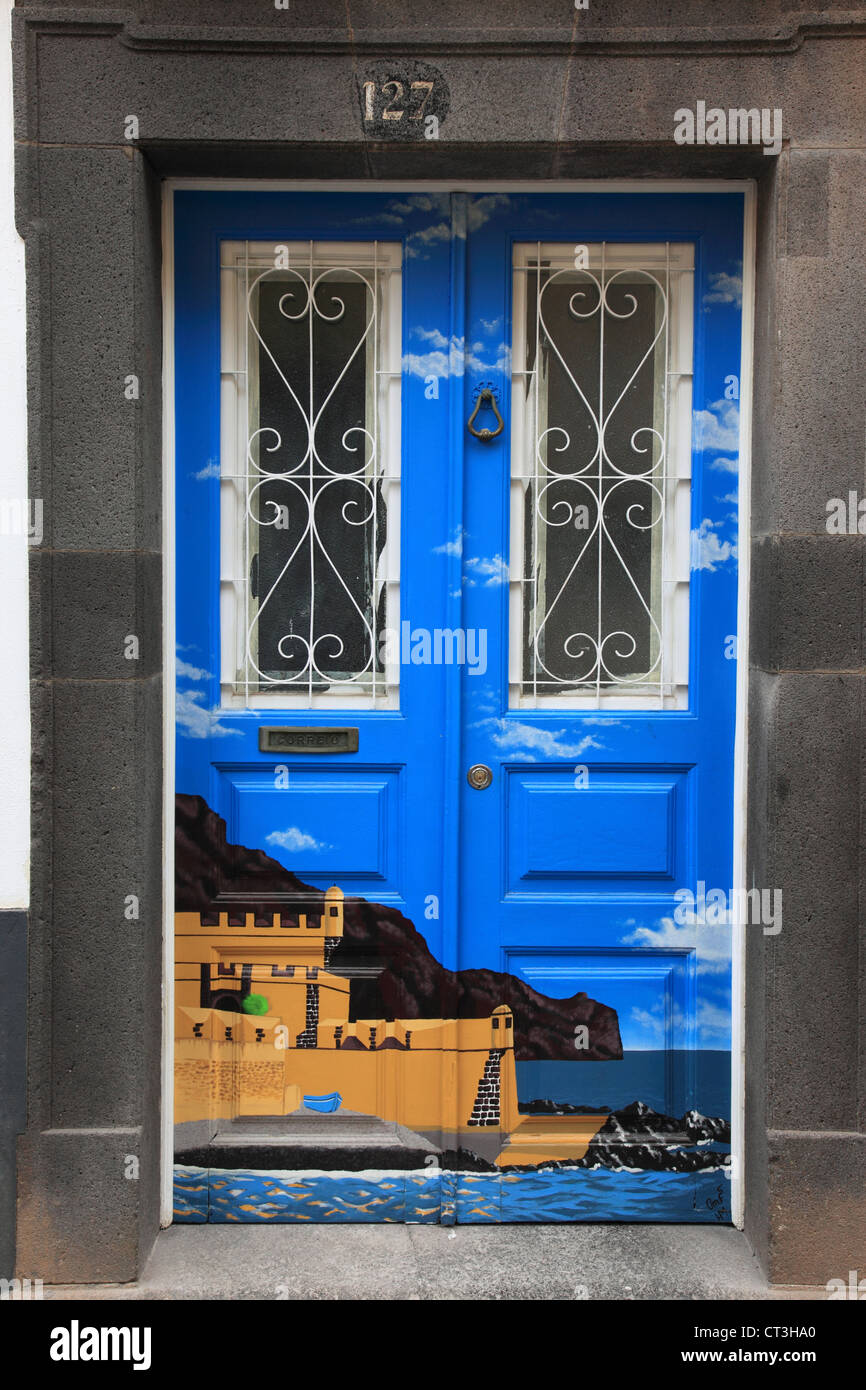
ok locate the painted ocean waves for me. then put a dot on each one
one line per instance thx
(442, 1197)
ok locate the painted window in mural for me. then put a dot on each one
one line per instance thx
(600, 474)
(310, 472)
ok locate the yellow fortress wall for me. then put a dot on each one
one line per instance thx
(427, 1074)
(442, 1075)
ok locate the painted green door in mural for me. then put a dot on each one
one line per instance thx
(456, 599)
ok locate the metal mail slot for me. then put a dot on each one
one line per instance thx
(310, 740)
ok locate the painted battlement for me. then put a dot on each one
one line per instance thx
(321, 922)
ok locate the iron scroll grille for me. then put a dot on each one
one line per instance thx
(600, 477)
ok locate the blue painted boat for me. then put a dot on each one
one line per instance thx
(326, 1105)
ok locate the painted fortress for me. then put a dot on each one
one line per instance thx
(261, 1021)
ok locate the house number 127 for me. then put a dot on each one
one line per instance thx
(394, 95)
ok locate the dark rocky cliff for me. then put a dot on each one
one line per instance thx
(400, 979)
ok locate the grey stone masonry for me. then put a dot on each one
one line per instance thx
(235, 89)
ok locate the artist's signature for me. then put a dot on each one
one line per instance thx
(717, 1204)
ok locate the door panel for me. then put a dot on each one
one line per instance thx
(607, 714)
(424, 996)
(625, 827)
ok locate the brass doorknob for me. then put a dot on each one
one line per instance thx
(479, 776)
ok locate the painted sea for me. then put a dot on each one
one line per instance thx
(435, 1197)
(670, 1082)
(662, 1080)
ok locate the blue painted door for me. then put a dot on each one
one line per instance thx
(456, 623)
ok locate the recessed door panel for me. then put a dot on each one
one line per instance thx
(456, 586)
(650, 990)
(337, 824)
(628, 827)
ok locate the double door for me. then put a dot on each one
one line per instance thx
(456, 623)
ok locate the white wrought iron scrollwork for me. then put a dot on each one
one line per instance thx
(590, 484)
(319, 479)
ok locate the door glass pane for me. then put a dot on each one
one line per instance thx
(310, 470)
(600, 474)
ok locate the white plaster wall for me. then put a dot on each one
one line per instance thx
(14, 699)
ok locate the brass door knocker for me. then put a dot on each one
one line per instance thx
(485, 397)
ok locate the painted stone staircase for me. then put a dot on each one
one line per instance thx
(486, 1110)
